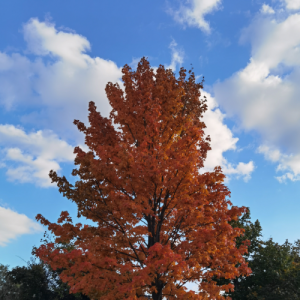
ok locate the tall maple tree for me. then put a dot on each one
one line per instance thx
(158, 223)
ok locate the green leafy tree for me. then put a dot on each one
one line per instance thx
(32, 281)
(35, 281)
(276, 273)
(252, 233)
(275, 268)
(8, 290)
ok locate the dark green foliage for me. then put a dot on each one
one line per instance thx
(253, 234)
(8, 290)
(275, 268)
(35, 281)
(276, 273)
(32, 281)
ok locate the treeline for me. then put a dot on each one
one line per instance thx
(275, 268)
(35, 281)
(275, 273)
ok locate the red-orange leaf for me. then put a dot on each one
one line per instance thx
(159, 223)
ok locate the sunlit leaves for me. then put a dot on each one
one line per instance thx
(159, 223)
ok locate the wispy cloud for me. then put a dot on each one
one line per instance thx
(288, 164)
(266, 9)
(222, 140)
(13, 224)
(29, 157)
(177, 56)
(193, 13)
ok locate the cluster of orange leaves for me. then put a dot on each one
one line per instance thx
(157, 221)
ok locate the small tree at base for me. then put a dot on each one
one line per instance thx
(159, 223)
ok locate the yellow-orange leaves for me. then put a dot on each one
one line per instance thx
(158, 222)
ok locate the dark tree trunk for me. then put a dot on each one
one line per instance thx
(159, 287)
(157, 296)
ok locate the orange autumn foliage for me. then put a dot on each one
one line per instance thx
(158, 223)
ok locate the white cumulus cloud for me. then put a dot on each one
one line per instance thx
(56, 86)
(266, 9)
(265, 94)
(222, 140)
(59, 82)
(292, 4)
(13, 224)
(193, 13)
(29, 157)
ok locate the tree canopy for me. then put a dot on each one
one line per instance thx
(159, 222)
(275, 268)
(276, 273)
(35, 281)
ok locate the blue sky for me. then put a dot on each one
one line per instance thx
(56, 56)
